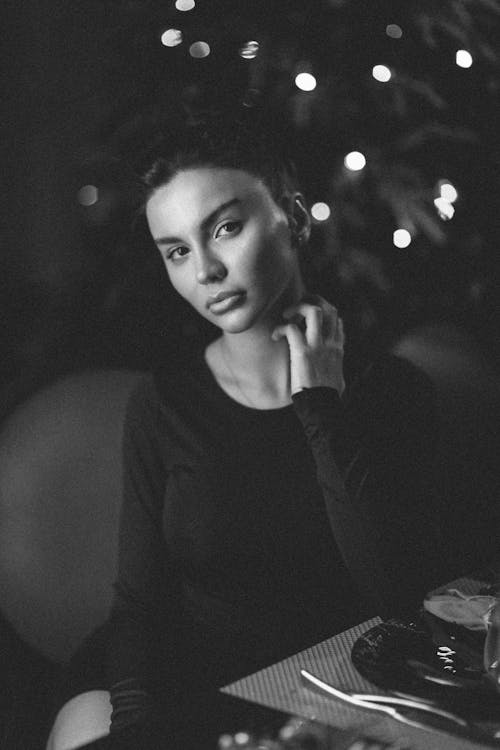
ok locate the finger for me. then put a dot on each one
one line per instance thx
(313, 316)
(295, 337)
(333, 326)
(330, 321)
(303, 304)
(338, 334)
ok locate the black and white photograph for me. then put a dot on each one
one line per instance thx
(250, 375)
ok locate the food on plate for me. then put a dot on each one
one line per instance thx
(469, 611)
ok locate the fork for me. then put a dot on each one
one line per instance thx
(392, 706)
(385, 703)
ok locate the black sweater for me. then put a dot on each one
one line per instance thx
(249, 534)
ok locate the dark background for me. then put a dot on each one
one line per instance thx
(86, 85)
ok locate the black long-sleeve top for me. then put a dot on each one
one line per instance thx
(249, 534)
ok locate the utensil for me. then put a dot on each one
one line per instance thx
(380, 701)
(427, 659)
(399, 708)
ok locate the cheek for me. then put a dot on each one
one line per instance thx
(276, 262)
(183, 285)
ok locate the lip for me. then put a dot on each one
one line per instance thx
(223, 301)
(221, 296)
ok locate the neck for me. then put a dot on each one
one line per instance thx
(260, 365)
(254, 356)
(253, 371)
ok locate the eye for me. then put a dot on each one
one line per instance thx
(177, 253)
(229, 227)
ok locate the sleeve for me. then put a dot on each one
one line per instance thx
(374, 456)
(145, 595)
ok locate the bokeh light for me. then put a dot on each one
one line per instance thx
(287, 732)
(88, 195)
(305, 81)
(320, 211)
(401, 238)
(444, 208)
(185, 4)
(381, 73)
(199, 50)
(463, 58)
(249, 50)
(242, 738)
(448, 191)
(394, 31)
(171, 37)
(355, 161)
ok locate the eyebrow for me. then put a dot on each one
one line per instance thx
(205, 222)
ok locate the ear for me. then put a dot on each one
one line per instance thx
(299, 219)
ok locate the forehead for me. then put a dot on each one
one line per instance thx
(202, 190)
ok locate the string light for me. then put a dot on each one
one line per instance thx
(381, 73)
(463, 58)
(401, 238)
(249, 50)
(448, 191)
(394, 31)
(305, 81)
(320, 211)
(354, 161)
(171, 37)
(199, 50)
(88, 195)
(444, 208)
(185, 4)
(241, 738)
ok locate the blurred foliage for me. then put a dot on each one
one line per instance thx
(432, 120)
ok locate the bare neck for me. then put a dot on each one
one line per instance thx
(251, 367)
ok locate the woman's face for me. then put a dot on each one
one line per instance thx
(226, 245)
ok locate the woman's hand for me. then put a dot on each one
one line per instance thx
(315, 336)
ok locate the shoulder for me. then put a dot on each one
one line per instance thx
(143, 428)
(180, 378)
(144, 400)
(168, 384)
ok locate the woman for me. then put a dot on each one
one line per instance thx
(260, 514)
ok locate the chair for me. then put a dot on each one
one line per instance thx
(60, 494)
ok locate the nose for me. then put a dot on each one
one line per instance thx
(209, 268)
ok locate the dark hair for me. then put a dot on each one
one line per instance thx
(224, 142)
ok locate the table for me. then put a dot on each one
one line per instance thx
(278, 686)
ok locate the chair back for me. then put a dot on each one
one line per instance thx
(60, 496)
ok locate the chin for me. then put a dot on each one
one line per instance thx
(235, 323)
(254, 313)
(233, 327)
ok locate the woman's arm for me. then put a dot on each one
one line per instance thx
(145, 598)
(374, 455)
